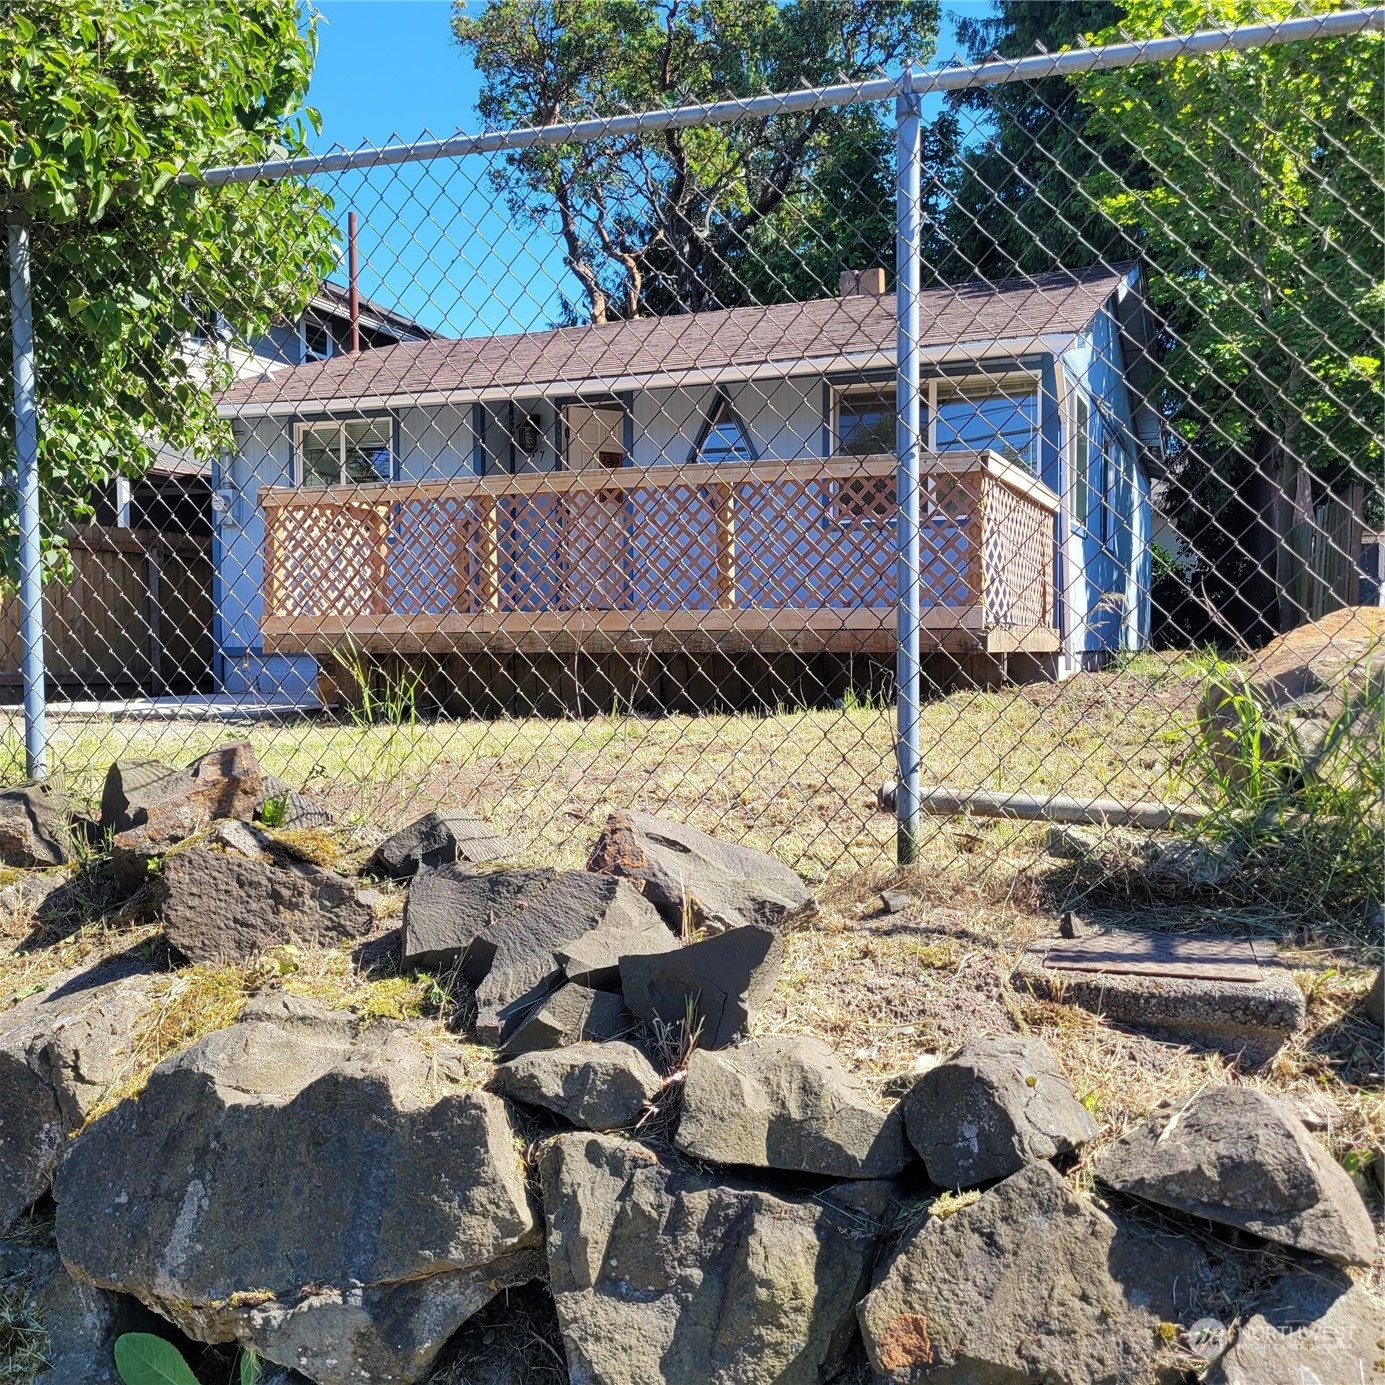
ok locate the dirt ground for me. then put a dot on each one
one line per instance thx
(880, 988)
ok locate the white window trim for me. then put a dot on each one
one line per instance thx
(303, 356)
(304, 427)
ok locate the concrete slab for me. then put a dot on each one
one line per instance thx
(198, 707)
(1254, 1017)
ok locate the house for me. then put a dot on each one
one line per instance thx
(650, 499)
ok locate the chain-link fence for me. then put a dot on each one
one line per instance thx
(969, 429)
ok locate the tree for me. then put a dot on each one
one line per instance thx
(106, 102)
(710, 216)
(1014, 203)
(1265, 247)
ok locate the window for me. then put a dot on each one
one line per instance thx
(317, 341)
(866, 421)
(1081, 461)
(722, 438)
(344, 454)
(999, 415)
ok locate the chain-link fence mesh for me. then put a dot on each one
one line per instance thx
(564, 473)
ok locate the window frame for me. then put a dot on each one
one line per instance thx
(712, 419)
(303, 426)
(839, 394)
(1009, 385)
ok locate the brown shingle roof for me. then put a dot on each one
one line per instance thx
(822, 331)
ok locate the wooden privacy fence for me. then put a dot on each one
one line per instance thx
(136, 618)
(792, 555)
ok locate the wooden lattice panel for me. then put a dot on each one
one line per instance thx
(1017, 560)
(328, 559)
(423, 576)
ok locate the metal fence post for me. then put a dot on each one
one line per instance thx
(908, 449)
(27, 490)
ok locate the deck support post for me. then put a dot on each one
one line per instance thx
(27, 496)
(909, 450)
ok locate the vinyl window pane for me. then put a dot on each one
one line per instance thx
(866, 423)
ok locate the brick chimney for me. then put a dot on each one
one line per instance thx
(859, 282)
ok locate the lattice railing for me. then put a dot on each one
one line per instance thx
(798, 540)
(1017, 551)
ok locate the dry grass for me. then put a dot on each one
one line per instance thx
(879, 989)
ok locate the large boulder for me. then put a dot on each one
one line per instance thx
(695, 880)
(1237, 1156)
(787, 1103)
(571, 1015)
(594, 1086)
(61, 1051)
(34, 827)
(718, 982)
(221, 907)
(171, 804)
(1309, 1329)
(439, 839)
(500, 931)
(1031, 1282)
(994, 1106)
(1301, 683)
(663, 1274)
(338, 1198)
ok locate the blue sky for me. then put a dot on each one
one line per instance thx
(435, 239)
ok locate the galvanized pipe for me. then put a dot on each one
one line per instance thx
(1099, 812)
(909, 450)
(1112, 55)
(27, 495)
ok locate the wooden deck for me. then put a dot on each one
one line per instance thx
(787, 557)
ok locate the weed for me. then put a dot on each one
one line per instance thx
(1301, 816)
(275, 811)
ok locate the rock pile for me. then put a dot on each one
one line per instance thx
(705, 1208)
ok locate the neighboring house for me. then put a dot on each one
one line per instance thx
(700, 485)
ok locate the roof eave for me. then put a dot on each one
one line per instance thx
(1051, 343)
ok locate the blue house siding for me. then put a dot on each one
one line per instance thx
(1107, 594)
(1102, 574)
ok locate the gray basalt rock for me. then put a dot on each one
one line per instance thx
(721, 980)
(1309, 1329)
(787, 1103)
(571, 1015)
(34, 827)
(79, 1324)
(60, 1052)
(663, 1274)
(1237, 1156)
(1032, 1282)
(340, 1199)
(171, 804)
(291, 808)
(595, 1086)
(222, 908)
(594, 958)
(994, 1106)
(693, 878)
(501, 930)
(439, 839)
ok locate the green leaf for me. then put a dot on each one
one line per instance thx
(143, 1359)
(249, 1370)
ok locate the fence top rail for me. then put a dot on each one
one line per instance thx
(911, 82)
(636, 478)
